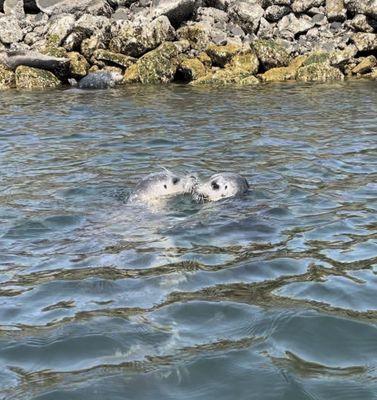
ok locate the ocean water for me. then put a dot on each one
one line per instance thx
(268, 296)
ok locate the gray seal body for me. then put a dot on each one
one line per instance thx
(100, 80)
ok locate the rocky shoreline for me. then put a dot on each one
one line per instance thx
(49, 43)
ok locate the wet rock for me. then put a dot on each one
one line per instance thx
(205, 59)
(177, 11)
(335, 10)
(10, 30)
(246, 15)
(14, 8)
(79, 66)
(365, 66)
(246, 61)
(34, 78)
(270, 54)
(100, 80)
(7, 78)
(221, 55)
(136, 38)
(191, 69)
(319, 72)
(274, 13)
(227, 76)
(365, 41)
(367, 7)
(157, 66)
(117, 59)
(55, 7)
(284, 73)
(300, 6)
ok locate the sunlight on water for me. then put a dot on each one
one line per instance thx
(269, 296)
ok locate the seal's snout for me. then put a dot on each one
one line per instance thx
(192, 182)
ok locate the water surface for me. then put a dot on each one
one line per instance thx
(271, 296)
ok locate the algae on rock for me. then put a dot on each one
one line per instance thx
(319, 72)
(7, 78)
(34, 78)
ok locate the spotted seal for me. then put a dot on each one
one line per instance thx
(162, 185)
(220, 186)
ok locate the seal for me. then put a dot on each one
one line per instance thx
(161, 185)
(220, 186)
(100, 80)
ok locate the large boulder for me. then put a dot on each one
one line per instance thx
(245, 61)
(14, 8)
(177, 11)
(7, 78)
(137, 38)
(10, 30)
(319, 72)
(221, 55)
(365, 41)
(365, 66)
(117, 59)
(60, 27)
(246, 15)
(335, 10)
(270, 53)
(290, 26)
(78, 66)
(34, 78)
(54, 7)
(197, 34)
(190, 69)
(367, 7)
(227, 76)
(301, 6)
(275, 12)
(281, 74)
(157, 66)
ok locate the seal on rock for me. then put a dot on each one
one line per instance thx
(160, 185)
(221, 186)
(100, 80)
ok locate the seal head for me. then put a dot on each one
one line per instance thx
(221, 186)
(162, 185)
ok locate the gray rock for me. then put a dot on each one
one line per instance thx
(121, 14)
(14, 8)
(100, 80)
(10, 30)
(367, 7)
(138, 37)
(300, 6)
(59, 28)
(211, 14)
(177, 11)
(360, 23)
(295, 25)
(266, 30)
(95, 7)
(335, 10)
(365, 41)
(246, 15)
(319, 19)
(275, 12)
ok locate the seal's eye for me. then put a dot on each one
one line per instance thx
(175, 181)
(215, 185)
(226, 187)
(165, 187)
